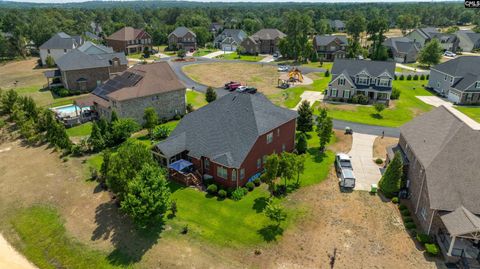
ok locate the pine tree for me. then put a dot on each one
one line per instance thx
(390, 182)
(113, 117)
(211, 95)
(150, 118)
(305, 117)
(302, 143)
(96, 141)
(324, 128)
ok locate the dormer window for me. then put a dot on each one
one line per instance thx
(477, 84)
(341, 81)
(384, 82)
(363, 80)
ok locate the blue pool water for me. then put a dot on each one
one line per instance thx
(68, 109)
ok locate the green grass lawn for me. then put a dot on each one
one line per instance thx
(235, 56)
(400, 112)
(197, 99)
(80, 130)
(45, 98)
(471, 111)
(44, 242)
(202, 52)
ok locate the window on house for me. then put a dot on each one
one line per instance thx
(259, 163)
(278, 132)
(234, 174)
(445, 77)
(48, 51)
(114, 103)
(384, 82)
(269, 138)
(333, 93)
(242, 173)
(346, 94)
(206, 164)
(341, 81)
(222, 172)
(477, 85)
(283, 147)
(363, 80)
(423, 213)
(451, 79)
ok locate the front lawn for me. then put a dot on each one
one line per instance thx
(399, 112)
(203, 52)
(80, 130)
(471, 111)
(291, 97)
(197, 99)
(235, 56)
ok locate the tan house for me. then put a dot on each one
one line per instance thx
(129, 40)
(330, 47)
(182, 38)
(150, 85)
(264, 41)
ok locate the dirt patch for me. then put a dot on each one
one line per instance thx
(263, 77)
(343, 142)
(380, 146)
(344, 107)
(21, 74)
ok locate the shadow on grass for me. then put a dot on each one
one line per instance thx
(270, 232)
(318, 155)
(130, 242)
(259, 204)
(174, 186)
(376, 116)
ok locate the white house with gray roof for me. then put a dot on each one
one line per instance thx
(457, 79)
(58, 45)
(372, 79)
(229, 39)
(469, 40)
(424, 35)
(402, 49)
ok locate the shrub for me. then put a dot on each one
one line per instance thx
(422, 77)
(395, 200)
(222, 194)
(427, 76)
(378, 161)
(407, 219)
(405, 212)
(395, 94)
(395, 77)
(49, 61)
(431, 249)
(257, 182)
(424, 238)
(177, 117)
(160, 132)
(250, 186)
(185, 229)
(402, 207)
(402, 77)
(212, 189)
(415, 77)
(238, 194)
(409, 77)
(327, 73)
(2, 123)
(410, 226)
(190, 108)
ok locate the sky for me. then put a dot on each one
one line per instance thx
(328, 1)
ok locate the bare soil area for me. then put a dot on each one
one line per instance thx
(380, 146)
(21, 74)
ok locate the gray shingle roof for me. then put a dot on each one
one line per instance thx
(226, 129)
(323, 40)
(461, 222)
(402, 44)
(181, 31)
(62, 41)
(337, 24)
(350, 67)
(268, 34)
(89, 56)
(467, 68)
(449, 150)
(237, 35)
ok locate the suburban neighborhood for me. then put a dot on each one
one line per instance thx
(239, 135)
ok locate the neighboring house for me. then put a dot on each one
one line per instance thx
(330, 47)
(402, 49)
(182, 38)
(372, 79)
(88, 66)
(216, 27)
(92, 36)
(440, 155)
(58, 45)
(337, 25)
(229, 139)
(424, 35)
(229, 39)
(468, 40)
(96, 28)
(264, 41)
(142, 86)
(457, 79)
(130, 40)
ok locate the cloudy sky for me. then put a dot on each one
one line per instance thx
(330, 1)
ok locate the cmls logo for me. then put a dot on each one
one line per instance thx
(472, 3)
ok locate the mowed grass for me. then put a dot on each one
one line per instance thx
(197, 99)
(203, 52)
(292, 96)
(399, 112)
(471, 111)
(46, 243)
(235, 56)
(45, 98)
(80, 130)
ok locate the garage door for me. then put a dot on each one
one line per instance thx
(453, 96)
(228, 48)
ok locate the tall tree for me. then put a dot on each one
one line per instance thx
(96, 141)
(271, 171)
(390, 182)
(324, 128)
(431, 53)
(301, 145)
(297, 26)
(285, 167)
(305, 117)
(376, 29)
(356, 25)
(150, 119)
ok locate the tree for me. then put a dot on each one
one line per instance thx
(379, 107)
(9, 98)
(240, 50)
(285, 167)
(96, 141)
(49, 61)
(355, 26)
(275, 213)
(211, 95)
(181, 53)
(147, 196)
(297, 26)
(390, 182)
(122, 129)
(376, 29)
(150, 118)
(431, 53)
(113, 117)
(271, 171)
(305, 117)
(324, 128)
(57, 135)
(123, 166)
(302, 143)
(298, 167)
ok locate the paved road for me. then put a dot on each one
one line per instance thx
(366, 129)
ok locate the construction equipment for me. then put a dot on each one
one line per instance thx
(295, 75)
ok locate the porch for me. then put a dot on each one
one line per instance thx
(184, 172)
(375, 96)
(54, 78)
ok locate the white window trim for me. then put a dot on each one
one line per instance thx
(269, 137)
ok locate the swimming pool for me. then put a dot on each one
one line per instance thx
(69, 109)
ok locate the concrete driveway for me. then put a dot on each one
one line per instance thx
(365, 170)
(216, 53)
(311, 97)
(267, 59)
(434, 101)
(10, 258)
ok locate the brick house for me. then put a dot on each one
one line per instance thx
(264, 41)
(86, 67)
(330, 47)
(129, 40)
(59, 45)
(229, 139)
(441, 153)
(182, 38)
(457, 79)
(142, 86)
(372, 79)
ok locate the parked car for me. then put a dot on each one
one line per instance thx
(342, 160)
(348, 130)
(449, 54)
(227, 85)
(283, 68)
(276, 55)
(344, 168)
(241, 89)
(234, 86)
(251, 90)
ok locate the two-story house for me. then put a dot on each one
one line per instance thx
(468, 40)
(264, 41)
(229, 39)
(130, 40)
(58, 45)
(337, 25)
(402, 49)
(330, 47)
(372, 79)
(182, 38)
(457, 79)
(86, 67)
(137, 88)
(441, 152)
(230, 138)
(424, 35)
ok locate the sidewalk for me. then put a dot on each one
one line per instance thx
(10, 258)
(216, 53)
(418, 70)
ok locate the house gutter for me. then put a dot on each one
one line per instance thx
(420, 192)
(431, 221)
